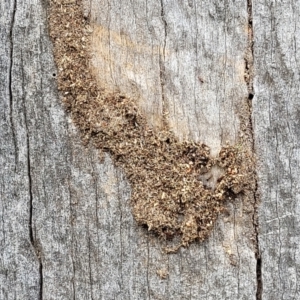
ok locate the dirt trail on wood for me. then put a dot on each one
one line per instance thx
(169, 179)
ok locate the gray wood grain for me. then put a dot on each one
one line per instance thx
(66, 227)
(19, 266)
(276, 118)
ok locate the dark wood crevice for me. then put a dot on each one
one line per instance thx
(162, 59)
(249, 77)
(36, 247)
(33, 241)
(10, 85)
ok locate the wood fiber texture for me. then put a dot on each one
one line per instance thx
(66, 229)
(276, 118)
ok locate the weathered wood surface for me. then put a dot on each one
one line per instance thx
(66, 227)
(276, 118)
(66, 230)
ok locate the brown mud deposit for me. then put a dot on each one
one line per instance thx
(169, 179)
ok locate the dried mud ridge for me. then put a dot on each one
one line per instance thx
(167, 193)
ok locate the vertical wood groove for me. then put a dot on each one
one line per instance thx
(33, 239)
(10, 88)
(162, 61)
(251, 93)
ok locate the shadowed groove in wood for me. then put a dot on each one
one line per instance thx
(249, 78)
(10, 76)
(162, 59)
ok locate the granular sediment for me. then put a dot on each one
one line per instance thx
(168, 195)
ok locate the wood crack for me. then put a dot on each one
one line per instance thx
(90, 264)
(10, 81)
(41, 279)
(33, 241)
(148, 265)
(31, 235)
(72, 232)
(120, 232)
(249, 77)
(162, 60)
